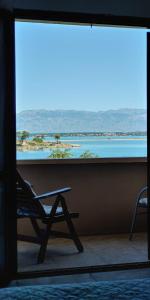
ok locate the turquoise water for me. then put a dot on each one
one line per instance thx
(124, 146)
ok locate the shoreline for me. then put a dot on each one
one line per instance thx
(29, 145)
(34, 146)
(107, 138)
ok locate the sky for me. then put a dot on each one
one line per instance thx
(79, 67)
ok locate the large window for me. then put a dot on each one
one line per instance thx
(81, 91)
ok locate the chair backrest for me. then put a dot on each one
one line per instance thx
(25, 197)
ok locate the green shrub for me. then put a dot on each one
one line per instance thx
(88, 154)
(57, 153)
(37, 140)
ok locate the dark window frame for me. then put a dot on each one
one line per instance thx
(32, 15)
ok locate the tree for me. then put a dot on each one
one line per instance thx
(57, 153)
(88, 154)
(57, 137)
(37, 139)
(23, 135)
(19, 133)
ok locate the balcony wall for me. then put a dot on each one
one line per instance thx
(103, 191)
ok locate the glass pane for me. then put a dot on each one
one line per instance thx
(82, 90)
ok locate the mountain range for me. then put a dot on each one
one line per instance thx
(82, 121)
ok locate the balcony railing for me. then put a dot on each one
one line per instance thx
(104, 194)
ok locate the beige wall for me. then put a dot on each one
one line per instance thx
(104, 194)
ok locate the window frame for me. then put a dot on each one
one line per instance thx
(78, 161)
(98, 19)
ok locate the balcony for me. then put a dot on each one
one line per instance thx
(103, 192)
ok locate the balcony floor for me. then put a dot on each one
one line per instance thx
(98, 250)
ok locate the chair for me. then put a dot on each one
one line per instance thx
(141, 202)
(29, 205)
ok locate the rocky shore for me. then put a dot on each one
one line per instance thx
(33, 146)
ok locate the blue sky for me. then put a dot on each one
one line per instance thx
(79, 67)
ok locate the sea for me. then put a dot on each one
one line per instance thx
(101, 146)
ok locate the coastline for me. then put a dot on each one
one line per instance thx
(84, 146)
(35, 146)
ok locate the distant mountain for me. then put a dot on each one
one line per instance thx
(87, 121)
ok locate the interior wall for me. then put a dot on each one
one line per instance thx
(103, 194)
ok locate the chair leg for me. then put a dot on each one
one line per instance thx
(74, 235)
(44, 240)
(133, 222)
(35, 227)
(42, 251)
(71, 227)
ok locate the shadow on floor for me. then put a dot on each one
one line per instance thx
(98, 250)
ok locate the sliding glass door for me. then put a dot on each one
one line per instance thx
(8, 238)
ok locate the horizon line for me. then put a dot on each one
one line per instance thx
(111, 109)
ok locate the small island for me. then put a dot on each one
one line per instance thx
(33, 146)
(37, 143)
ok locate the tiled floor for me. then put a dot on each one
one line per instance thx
(98, 250)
